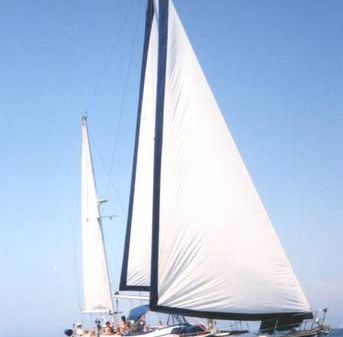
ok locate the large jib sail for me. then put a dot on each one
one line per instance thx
(135, 274)
(96, 285)
(215, 253)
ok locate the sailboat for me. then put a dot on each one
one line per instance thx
(198, 237)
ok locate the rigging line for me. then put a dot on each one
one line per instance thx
(113, 49)
(123, 219)
(116, 192)
(124, 98)
(110, 254)
(112, 258)
(83, 111)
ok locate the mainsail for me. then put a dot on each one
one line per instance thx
(96, 286)
(215, 253)
(135, 273)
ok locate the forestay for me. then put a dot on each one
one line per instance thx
(215, 252)
(137, 253)
(96, 286)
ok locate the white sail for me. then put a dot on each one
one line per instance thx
(96, 286)
(216, 252)
(137, 257)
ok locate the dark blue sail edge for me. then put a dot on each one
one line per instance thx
(123, 278)
(160, 92)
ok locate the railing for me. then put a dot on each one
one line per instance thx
(315, 326)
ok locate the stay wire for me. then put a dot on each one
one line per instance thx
(107, 173)
(111, 257)
(109, 58)
(123, 101)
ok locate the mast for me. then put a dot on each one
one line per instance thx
(96, 282)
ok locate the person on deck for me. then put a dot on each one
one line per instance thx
(141, 324)
(108, 329)
(123, 326)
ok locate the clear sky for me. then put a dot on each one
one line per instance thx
(276, 69)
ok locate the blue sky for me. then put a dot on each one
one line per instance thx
(276, 69)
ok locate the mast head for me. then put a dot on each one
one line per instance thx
(84, 119)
